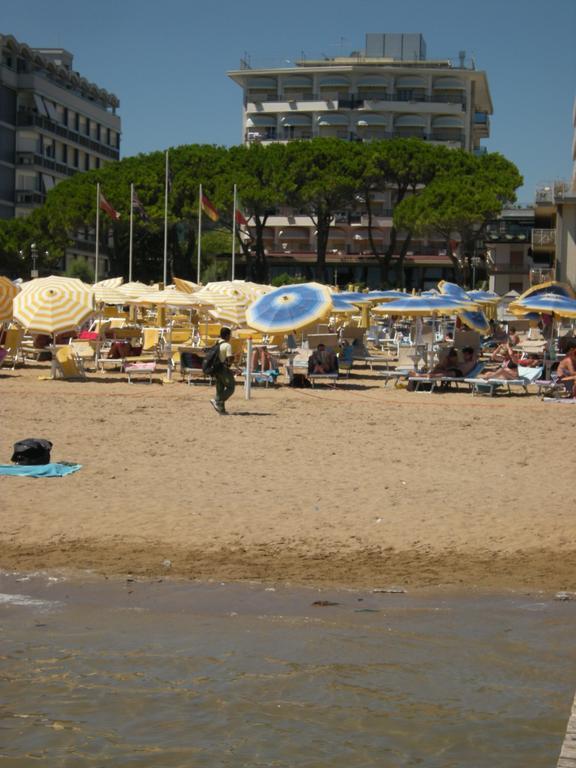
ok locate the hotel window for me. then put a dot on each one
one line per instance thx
(76, 121)
(65, 153)
(87, 130)
(76, 161)
(108, 136)
(98, 132)
(86, 162)
(65, 116)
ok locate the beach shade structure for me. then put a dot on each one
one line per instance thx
(552, 286)
(186, 286)
(289, 308)
(545, 304)
(356, 297)
(135, 289)
(231, 313)
(381, 296)
(108, 295)
(341, 306)
(8, 290)
(484, 297)
(110, 282)
(53, 305)
(476, 321)
(424, 306)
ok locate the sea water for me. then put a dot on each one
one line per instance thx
(161, 674)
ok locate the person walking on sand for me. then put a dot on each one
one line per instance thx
(223, 373)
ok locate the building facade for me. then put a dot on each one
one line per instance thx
(53, 124)
(388, 90)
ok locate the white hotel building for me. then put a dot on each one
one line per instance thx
(388, 90)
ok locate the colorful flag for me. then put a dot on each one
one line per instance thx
(209, 209)
(107, 208)
(139, 208)
(240, 218)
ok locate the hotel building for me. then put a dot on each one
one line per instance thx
(388, 90)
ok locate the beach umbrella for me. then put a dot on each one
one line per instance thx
(170, 298)
(545, 304)
(110, 282)
(342, 306)
(186, 286)
(484, 297)
(8, 290)
(108, 295)
(474, 319)
(231, 313)
(135, 289)
(424, 306)
(552, 286)
(289, 308)
(53, 304)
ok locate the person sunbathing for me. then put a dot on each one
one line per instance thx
(322, 360)
(566, 371)
(509, 368)
(262, 360)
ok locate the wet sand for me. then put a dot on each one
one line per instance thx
(361, 486)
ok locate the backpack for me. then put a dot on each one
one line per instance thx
(211, 362)
(32, 451)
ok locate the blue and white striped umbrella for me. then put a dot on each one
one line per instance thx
(424, 306)
(484, 297)
(472, 318)
(289, 308)
(545, 304)
(354, 297)
(342, 305)
(385, 295)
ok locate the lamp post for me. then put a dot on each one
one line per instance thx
(476, 262)
(34, 256)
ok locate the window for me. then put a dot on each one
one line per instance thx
(76, 160)
(98, 132)
(86, 162)
(516, 258)
(64, 153)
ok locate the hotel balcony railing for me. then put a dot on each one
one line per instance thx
(271, 135)
(507, 268)
(32, 158)
(27, 118)
(545, 237)
(356, 102)
(29, 197)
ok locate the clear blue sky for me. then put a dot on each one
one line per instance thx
(167, 60)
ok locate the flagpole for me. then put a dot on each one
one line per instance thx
(97, 254)
(131, 241)
(234, 235)
(165, 273)
(199, 233)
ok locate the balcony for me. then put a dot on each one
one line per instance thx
(28, 119)
(543, 238)
(31, 159)
(508, 268)
(29, 197)
(260, 102)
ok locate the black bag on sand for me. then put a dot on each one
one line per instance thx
(32, 451)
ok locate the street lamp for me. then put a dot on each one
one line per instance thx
(34, 257)
(476, 262)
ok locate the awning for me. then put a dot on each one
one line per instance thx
(334, 81)
(289, 120)
(364, 120)
(52, 114)
(449, 84)
(297, 82)
(445, 121)
(261, 82)
(409, 121)
(48, 182)
(334, 119)
(261, 121)
(40, 106)
(374, 81)
(409, 81)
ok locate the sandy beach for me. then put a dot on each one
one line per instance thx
(360, 486)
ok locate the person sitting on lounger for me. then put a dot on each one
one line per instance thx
(566, 370)
(322, 360)
(261, 359)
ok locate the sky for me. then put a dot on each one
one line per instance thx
(167, 61)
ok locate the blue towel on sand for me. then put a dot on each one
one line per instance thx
(40, 470)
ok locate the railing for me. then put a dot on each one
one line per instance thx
(456, 138)
(26, 118)
(29, 158)
(29, 197)
(507, 268)
(543, 237)
(356, 102)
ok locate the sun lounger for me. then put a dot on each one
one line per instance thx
(68, 364)
(143, 369)
(13, 346)
(437, 383)
(526, 376)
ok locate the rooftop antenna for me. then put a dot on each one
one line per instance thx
(462, 57)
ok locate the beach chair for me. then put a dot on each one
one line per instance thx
(13, 346)
(191, 366)
(442, 383)
(85, 349)
(151, 341)
(68, 364)
(526, 376)
(143, 369)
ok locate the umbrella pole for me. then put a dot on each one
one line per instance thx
(53, 362)
(248, 379)
(169, 353)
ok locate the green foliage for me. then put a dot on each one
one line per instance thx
(81, 269)
(286, 279)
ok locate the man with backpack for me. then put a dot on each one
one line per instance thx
(217, 364)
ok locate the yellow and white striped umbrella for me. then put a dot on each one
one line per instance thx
(232, 313)
(53, 304)
(107, 295)
(186, 286)
(171, 298)
(8, 290)
(135, 289)
(110, 282)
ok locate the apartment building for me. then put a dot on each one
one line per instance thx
(390, 89)
(53, 124)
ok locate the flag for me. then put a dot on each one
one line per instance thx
(107, 208)
(209, 209)
(240, 218)
(139, 208)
